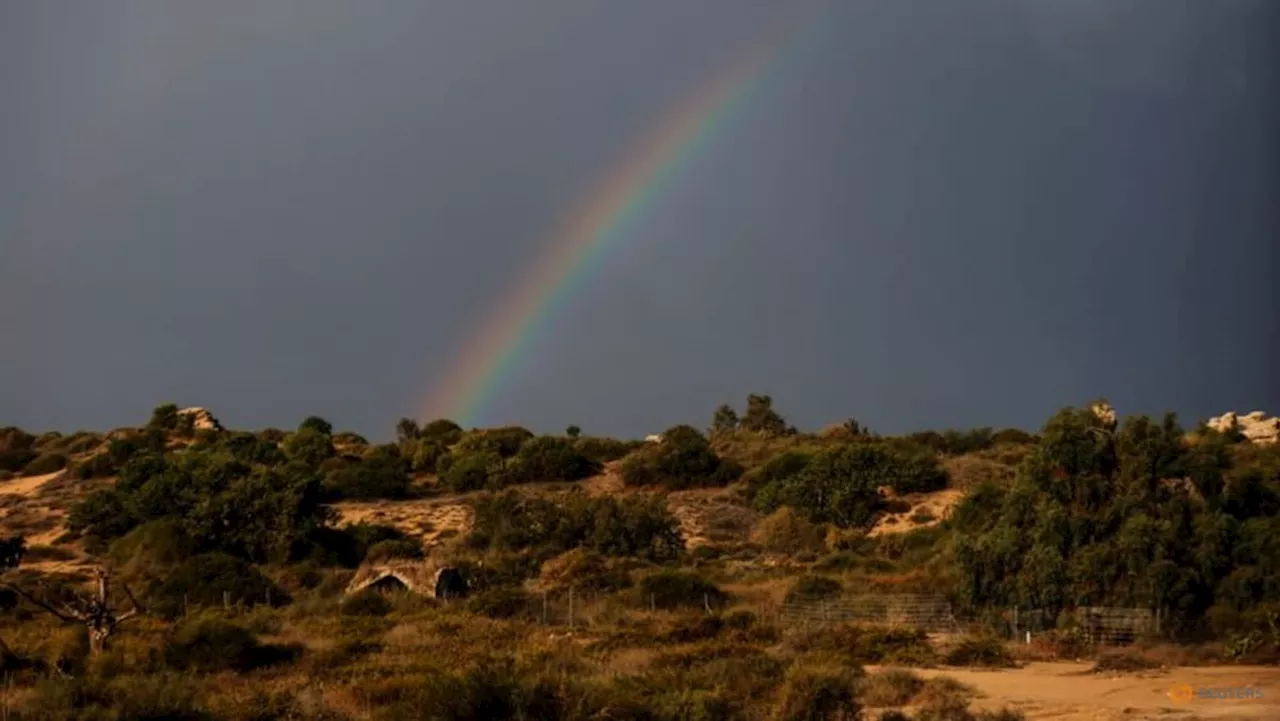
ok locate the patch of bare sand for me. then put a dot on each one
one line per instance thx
(711, 516)
(1070, 692)
(26, 486)
(934, 506)
(432, 520)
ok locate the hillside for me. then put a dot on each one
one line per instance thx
(712, 552)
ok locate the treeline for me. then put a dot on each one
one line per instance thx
(1130, 515)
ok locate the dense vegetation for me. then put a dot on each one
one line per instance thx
(231, 543)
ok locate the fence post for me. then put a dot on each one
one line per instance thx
(1015, 620)
(226, 600)
(652, 604)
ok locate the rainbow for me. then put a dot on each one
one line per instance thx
(480, 368)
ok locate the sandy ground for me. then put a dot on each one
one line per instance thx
(938, 505)
(1070, 692)
(26, 486)
(432, 520)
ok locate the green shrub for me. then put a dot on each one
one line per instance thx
(47, 463)
(684, 459)
(387, 550)
(669, 590)
(985, 651)
(869, 645)
(548, 458)
(893, 687)
(812, 694)
(366, 603)
(16, 449)
(840, 485)
(604, 450)
(208, 643)
(813, 587)
(168, 696)
(502, 603)
(381, 473)
(627, 526)
(98, 465)
(211, 580)
(462, 472)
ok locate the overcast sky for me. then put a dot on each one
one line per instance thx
(935, 214)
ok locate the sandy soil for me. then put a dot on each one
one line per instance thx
(1070, 692)
(938, 505)
(26, 486)
(429, 520)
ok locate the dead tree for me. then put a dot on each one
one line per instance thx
(95, 612)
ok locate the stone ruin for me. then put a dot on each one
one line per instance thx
(202, 420)
(1256, 427)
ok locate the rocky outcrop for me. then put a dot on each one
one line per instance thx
(1256, 427)
(1105, 413)
(202, 419)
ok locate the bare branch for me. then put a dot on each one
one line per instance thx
(59, 614)
(138, 608)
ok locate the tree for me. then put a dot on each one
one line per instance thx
(724, 420)
(317, 424)
(407, 430)
(95, 612)
(164, 417)
(573, 431)
(761, 417)
(309, 446)
(683, 459)
(443, 431)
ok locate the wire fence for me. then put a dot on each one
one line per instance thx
(924, 611)
(1096, 625)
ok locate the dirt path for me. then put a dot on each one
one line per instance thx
(1069, 692)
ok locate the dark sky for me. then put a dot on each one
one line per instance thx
(936, 214)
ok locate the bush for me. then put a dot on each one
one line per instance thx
(463, 472)
(47, 463)
(628, 526)
(585, 570)
(894, 687)
(812, 694)
(868, 645)
(603, 450)
(813, 588)
(1123, 663)
(381, 473)
(386, 550)
(548, 458)
(208, 643)
(210, 580)
(98, 465)
(840, 485)
(683, 459)
(15, 449)
(166, 696)
(502, 603)
(669, 590)
(984, 651)
(366, 603)
(784, 531)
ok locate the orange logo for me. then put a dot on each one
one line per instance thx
(1181, 694)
